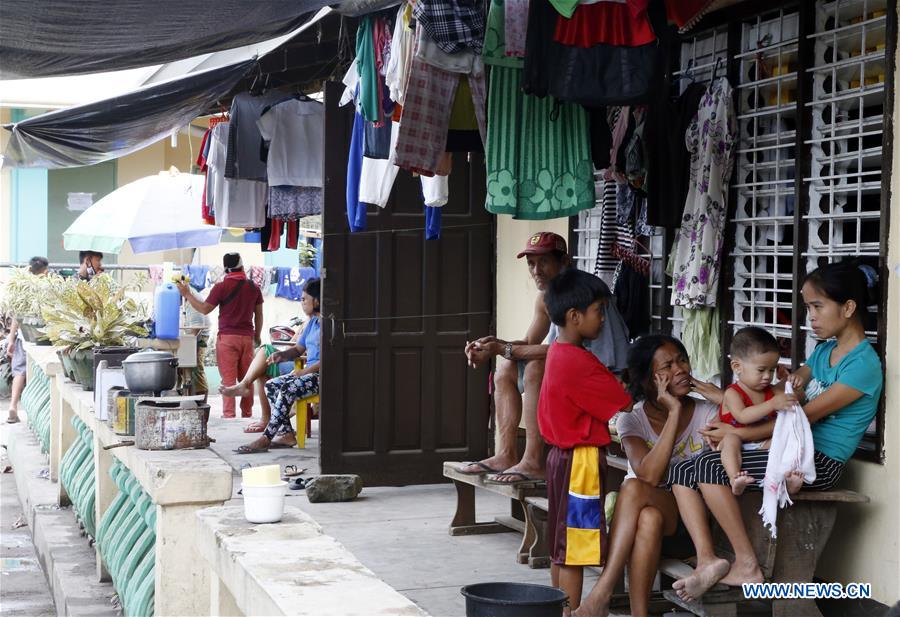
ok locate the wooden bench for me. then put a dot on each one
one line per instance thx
(464, 522)
(538, 533)
(803, 531)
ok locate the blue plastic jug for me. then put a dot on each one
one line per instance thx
(167, 311)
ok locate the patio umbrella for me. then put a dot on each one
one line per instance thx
(155, 213)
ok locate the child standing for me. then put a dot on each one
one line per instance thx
(578, 398)
(752, 400)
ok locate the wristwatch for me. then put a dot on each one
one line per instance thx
(507, 351)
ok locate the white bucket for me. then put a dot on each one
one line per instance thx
(264, 504)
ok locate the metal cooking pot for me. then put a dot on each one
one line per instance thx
(150, 371)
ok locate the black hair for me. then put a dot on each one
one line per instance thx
(640, 361)
(313, 287)
(750, 341)
(573, 289)
(36, 264)
(82, 255)
(232, 262)
(842, 281)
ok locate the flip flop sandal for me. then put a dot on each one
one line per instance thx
(297, 485)
(12, 420)
(249, 450)
(523, 479)
(482, 469)
(291, 471)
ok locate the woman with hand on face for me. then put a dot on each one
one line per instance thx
(661, 437)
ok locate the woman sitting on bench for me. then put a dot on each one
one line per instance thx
(663, 429)
(282, 392)
(843, 380)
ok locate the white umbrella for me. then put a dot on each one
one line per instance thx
(155, 213)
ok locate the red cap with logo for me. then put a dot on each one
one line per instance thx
(544, 242)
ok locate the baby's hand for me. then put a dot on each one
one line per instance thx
(783, 402)
(710, 392)
(796, 381)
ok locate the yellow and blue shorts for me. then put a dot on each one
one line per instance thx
(576, 481)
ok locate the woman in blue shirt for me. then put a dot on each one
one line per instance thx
(843, 380)
(282, 392)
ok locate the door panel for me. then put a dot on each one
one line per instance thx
(397, 396)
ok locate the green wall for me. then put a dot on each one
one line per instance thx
(99, 179)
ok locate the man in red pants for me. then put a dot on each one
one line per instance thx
(240, 326)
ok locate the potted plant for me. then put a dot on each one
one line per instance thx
(307, 255)
(85, 315)
(24, 298)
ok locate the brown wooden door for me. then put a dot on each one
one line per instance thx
(397, 396)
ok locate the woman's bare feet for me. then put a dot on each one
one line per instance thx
(238, 389)
(794, 481)
(740, 482)
(705, 576)
(743, 572)
(591, 609)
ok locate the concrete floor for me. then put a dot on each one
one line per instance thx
(23, 589)
(400, 533)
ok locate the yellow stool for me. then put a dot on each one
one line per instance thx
(301, 413)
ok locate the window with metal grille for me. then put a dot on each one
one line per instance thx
(813, 87)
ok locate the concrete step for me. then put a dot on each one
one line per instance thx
(68, 561)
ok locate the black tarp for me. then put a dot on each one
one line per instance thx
(114, 127)
(43, 38)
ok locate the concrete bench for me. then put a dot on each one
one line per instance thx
(177, 483)
(464, 522)
(287, 568)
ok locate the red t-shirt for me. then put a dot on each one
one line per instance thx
(730, 419)
(578, 397)
(236, 317)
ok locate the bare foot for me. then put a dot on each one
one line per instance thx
(497, 463)
(794, 481)
(238, 389)
(284, 440)
(532, 473)
(743, 572)
(260, 442)
(705, 576)
(590, 609)
(740, 482)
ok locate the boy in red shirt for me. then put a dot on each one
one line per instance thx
(578, 398)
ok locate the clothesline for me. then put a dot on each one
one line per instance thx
(400, 230)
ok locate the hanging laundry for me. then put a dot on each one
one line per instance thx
(257, 274)
(296, 132)
(292, 235)
(369, 92)
(632, 292)
(700, 335)
(377, 138)
(668, 162)
(156, 275)
(289, 284)
(356, 211)
(432, 223)
(697, 251)
(402, 48)
(605, 263)
(216, 275)
(602, 72)
(538, 152)
(515, 25)
(455, 25)
(244, 139)
(205, 210)
(198, 275)
(423, 131)
(239, 203)
(378, 176)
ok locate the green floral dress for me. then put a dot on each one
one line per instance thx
(538, 155)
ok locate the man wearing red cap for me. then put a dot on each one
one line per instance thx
(520, 368)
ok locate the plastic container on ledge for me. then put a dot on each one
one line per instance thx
(167, 311)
